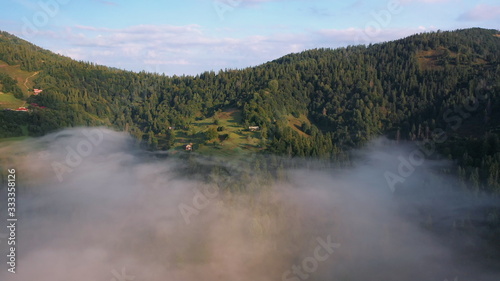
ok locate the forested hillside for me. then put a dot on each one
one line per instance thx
(319, 103)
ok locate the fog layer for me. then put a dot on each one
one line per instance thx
(93, 206)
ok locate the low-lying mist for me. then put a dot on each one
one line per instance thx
(92, 205)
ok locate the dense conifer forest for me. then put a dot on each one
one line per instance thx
(420, 88)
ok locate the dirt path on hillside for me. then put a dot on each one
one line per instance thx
(27, 78)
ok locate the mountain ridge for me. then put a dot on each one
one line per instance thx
(405, 89)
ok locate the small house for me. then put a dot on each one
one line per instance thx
(22, 109)
(254, 128)
(189, 147)
(37, 91)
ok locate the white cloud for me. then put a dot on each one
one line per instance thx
(177, 45)
(190, 50)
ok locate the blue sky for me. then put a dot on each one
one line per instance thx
(192, 36)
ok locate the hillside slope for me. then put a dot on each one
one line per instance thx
(318, 103)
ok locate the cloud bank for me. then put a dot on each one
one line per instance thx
(191, 49)
(94, 206)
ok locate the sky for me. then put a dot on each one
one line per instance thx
(192, 36)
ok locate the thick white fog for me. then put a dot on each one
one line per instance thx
(92, 205)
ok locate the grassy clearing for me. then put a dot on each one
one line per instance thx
(9, 101)
(233, 139)
(24, 78)
(429, 60)
(296, 123)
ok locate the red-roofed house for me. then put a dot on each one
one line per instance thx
(22, 109)
(37, 91)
